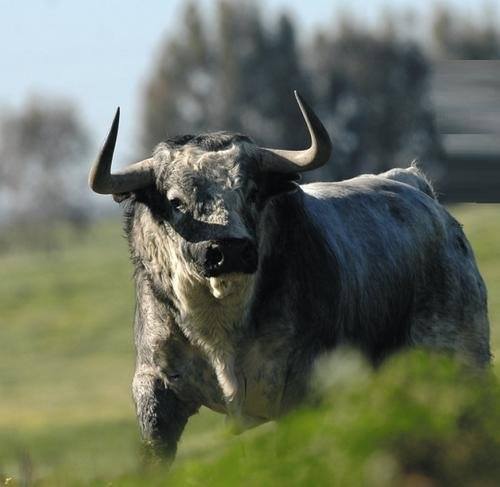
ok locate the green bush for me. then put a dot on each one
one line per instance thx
(419, 416)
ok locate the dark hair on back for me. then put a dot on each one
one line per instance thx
(209, 142)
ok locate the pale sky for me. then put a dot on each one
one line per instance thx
(99, 52)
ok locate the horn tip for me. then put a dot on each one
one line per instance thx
(115, 123)
(300, 101)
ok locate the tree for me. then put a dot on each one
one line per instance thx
(239, 76)
(376, 89)
(40, 149)
(459, 37)
(177, 96)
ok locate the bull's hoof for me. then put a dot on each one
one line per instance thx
(155, 454)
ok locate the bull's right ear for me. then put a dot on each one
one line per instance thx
(279, 183)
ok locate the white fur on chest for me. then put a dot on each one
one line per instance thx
(215, 324)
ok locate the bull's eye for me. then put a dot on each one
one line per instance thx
(176, 204)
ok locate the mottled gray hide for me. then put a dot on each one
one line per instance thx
(374, 262)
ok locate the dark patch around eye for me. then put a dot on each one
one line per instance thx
(176, 203)
(155, 201)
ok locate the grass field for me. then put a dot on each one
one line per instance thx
(66, 361)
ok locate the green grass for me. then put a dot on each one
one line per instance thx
(67, 418)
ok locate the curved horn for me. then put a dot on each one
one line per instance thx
(301, 160)
(133, 177)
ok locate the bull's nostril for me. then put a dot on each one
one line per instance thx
(214, 257)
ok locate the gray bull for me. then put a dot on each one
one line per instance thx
(244, 278)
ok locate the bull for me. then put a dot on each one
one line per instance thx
(244, 278)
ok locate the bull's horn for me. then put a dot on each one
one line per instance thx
(301, 160)
(131, 178)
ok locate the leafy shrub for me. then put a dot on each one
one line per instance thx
(421, 419)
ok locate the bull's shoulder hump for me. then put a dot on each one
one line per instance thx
(372, 203)
(369, 184)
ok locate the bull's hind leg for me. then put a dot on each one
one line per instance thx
(466, 339)
(475, 341)
(452, 311)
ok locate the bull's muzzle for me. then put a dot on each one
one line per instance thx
(227, 256)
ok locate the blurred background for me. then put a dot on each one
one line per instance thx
(393, 81)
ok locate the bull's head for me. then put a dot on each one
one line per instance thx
(203, 195)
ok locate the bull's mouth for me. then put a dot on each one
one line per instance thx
(226, 285)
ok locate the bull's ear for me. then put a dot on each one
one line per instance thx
(119, 197)
(278, 183)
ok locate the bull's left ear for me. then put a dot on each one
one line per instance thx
(278, 183)
(119, 197)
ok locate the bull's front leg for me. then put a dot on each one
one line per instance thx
(161, 414)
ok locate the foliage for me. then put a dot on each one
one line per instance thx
(457, 36)
(41, 147)
(221, 78)
(375, 93)
(66, 416)
(419, 417)
(238, 74)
